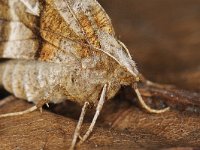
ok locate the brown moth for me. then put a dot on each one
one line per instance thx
(63, 49)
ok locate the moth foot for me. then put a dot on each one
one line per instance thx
(80, 137)
(41, 110)
(47, 105)
(157, 111)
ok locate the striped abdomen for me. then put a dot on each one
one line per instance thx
(31, 80)
(35, 80)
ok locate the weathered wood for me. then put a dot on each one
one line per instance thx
(122, 125)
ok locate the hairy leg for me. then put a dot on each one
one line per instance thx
(89, 131)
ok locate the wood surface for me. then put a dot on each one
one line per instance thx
(164, 40)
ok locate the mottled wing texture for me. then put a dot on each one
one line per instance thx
(60, 49)
(58, 31)
(17, 33)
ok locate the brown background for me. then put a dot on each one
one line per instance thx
(164, 39)
(162, 35)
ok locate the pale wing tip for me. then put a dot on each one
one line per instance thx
(34, 10)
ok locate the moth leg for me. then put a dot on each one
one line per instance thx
(41, 109)
(47, 104)
(19, 113)
(6, 100)
(145, 106)
(78, 127)
(98, 110)
(39, 105)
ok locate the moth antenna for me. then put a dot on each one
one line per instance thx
(124, 46)
(144, 105)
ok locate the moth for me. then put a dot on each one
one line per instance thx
(61, 50)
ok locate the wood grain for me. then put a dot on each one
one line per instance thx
(122, 124)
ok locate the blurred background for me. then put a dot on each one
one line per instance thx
(163, 37)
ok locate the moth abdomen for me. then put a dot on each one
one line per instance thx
(22, 78)
(17, 80)
(11, 78)
(36, 80)
(7, 76)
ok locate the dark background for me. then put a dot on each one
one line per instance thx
(163, 37)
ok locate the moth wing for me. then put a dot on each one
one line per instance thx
(32, 6)
(17, 31)
(92, 24)
(32, 31)
(63, 27)
(98, 31)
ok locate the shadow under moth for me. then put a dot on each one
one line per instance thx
(59, 50)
